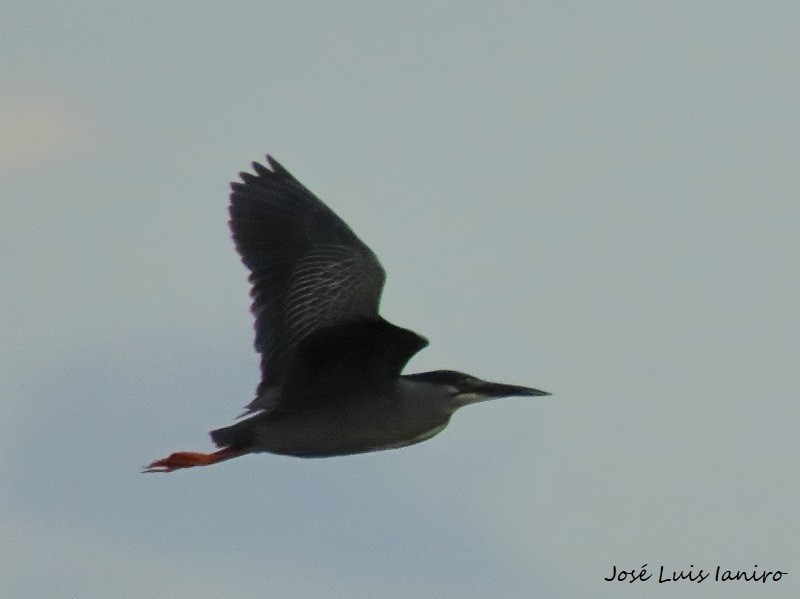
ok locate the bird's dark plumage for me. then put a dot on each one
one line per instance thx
(308, 271)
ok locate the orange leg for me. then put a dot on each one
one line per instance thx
(189, 459)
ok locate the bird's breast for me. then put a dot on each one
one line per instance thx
(345, 431)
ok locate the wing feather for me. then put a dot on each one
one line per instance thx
(308, 270)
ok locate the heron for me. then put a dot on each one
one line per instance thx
(331, 381)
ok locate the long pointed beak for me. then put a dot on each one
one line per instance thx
(503, 390)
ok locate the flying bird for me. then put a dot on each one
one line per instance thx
(331, 381)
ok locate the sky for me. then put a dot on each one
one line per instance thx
(595, 199)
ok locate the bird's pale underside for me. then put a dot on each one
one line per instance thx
(331, 381)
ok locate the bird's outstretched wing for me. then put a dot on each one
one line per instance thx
(309, 271)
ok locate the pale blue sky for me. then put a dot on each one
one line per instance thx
(597, 200)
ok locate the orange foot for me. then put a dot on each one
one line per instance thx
(189, 459)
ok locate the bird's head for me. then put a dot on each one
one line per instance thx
(465, 389)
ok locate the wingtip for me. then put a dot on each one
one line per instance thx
(275, 165)
(260, 169)
(272, 169)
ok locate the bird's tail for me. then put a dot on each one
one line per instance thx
(237, 435)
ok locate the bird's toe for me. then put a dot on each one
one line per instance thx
(178, 460)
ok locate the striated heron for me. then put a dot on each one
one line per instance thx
(330, 365)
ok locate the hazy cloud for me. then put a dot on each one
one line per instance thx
(38, 127)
